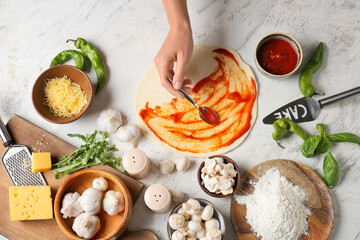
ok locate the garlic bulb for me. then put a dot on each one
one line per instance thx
(214, 234)
(90, 200)
(109, 120)
(212, 224)
(113, 202)
(86, 225)
(182, 163)
(166, 166)
(100, 183)
(176, 221)
(179, 235)
(70, 205)
(128, 133)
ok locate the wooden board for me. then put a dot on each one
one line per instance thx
(139, 235)
(26, 133)
(319, 199)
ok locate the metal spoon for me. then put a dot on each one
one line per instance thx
(206, 114)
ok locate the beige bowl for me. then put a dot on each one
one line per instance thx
(76, 75)
(203, 202)
(288, 39)
(111, 226)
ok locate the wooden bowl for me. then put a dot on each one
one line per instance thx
(76, 75)
(111, 226)
(203, 202)
(226, 160)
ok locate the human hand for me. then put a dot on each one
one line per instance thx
(177, 47)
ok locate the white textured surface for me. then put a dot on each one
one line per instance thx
(129, 34)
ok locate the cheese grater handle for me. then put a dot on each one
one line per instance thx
(4, 135)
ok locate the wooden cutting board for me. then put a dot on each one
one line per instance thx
(37, 139)
(319, 199)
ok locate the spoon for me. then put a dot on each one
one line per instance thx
(205, 113)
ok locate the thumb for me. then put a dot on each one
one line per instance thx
(178, 78)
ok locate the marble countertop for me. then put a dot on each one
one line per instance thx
(129, 33)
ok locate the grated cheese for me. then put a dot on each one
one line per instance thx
(64, 97)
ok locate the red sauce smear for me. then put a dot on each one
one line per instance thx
(177, 122)
(209, 116)
(277, 56)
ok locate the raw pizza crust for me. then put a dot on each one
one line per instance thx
(201, 65)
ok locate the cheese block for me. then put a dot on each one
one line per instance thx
(41, 162)
(30, 203)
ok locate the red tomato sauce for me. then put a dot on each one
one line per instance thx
(233, 108)
(209, 116)
(277, 56)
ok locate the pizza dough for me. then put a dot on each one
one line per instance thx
(227, 85)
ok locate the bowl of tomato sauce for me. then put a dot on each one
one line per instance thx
(278, 55)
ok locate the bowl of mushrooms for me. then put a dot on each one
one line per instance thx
(196, 218)
(93, 204)
(218, 176)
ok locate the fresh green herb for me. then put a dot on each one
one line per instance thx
(309, 146)
(92, 152)
(345, 137)
(331, 171)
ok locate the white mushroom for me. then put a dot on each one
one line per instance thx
(176, 221)
(201, 233)
(177, 196)
(100, 183)
(182, 163)
(86, 225)
(194, 225)
(184, 213)
(109, 120)
(179, 235)
(211, 184)
(210, 163)
(213, 234)
(219, 160)
(70, 206)
(212, 224)
(196, 217)
(166, 166)
(227, 191)
(190, 233)
(207, 213)
(90, 200)
(223, 183)
(193, 206)
(203, 238)
(191, 238)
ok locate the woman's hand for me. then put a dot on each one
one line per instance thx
(177, 47)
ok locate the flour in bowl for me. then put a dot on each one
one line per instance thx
(276, 209)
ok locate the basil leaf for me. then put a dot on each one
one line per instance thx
(321, 129)
(331, 171)
(309, 146)
(345, 137)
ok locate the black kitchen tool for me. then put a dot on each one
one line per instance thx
(306, 109)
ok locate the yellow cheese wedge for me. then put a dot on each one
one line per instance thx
(41, 162)
(30, 203)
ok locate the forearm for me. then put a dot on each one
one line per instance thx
(177, 14)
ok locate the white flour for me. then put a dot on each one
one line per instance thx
(276, 209)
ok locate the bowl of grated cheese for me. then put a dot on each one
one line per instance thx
(62, 94)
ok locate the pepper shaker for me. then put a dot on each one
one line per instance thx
(158, 198)
(136, 163)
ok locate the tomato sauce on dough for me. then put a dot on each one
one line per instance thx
(227, 90)
(277, 56)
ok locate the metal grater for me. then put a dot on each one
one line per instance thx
(17, 162)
